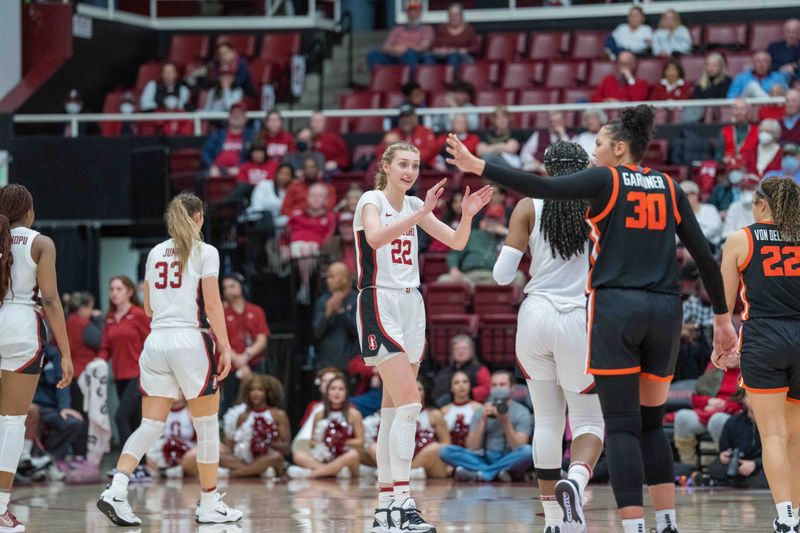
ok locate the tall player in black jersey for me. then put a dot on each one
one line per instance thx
(762, 262)
(634, 304)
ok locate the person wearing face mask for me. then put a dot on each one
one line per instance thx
(73, 105)
(740, 212)
(790, 164)
(498, 443)
(767, 155)
(726, 191)
(304, 146)
(168, 93)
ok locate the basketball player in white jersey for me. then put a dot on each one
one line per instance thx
(27, 268)
(178, 356)
(552, 339)
(391, 314)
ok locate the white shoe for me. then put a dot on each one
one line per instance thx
(54, 473)
(117, 508)
(269, 473)
(344, 473)
(10, 524)
(174, 472)
(418, 473)
(298, 472)
(217, 512)
(406, 518)
(570, 500)
(367, 471)
(223, 473)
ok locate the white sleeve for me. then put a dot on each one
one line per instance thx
(505, 268)
(210, 265)
(183, 97)
(526, 155)
(147, 102)
(416, 203)
(369, 197)
(147, 266)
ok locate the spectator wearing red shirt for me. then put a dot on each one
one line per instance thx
(411, 131)
(126, 328)
(737, 138)
(308, 230)
(767, 154)
(248, 333)
(329, 143)
(257, 168)
(470, 140)
(278, 141)
(297, 192)
(84, 330)
(672, 86)
(225, 149)
(622, 86)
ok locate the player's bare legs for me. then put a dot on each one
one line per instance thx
(793, 424)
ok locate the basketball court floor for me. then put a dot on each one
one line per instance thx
(345, 506)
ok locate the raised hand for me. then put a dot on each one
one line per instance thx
(472, 203)
(433, 195)
(461, 157)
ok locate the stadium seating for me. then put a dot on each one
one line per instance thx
(496, 299)
(389, 78)
(434, 266)
(522, 75)
(564, 74)
(693, 67)
(587, 44)
(279, 47)
(446, 298)
(243, 43)
(482, 74)
(599, 70)
(498, 340)
(147, 72)
(434, 77)
(443, 328)
(506, 46)
(548, 45)
(763, 33)
(649, 69)
(360, 100)
(185, 47)
(733, 35)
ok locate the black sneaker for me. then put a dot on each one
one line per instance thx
(781, 527)
(552, 529)
(568, 496)
(407, 518)
(140, 475)
(382, 522)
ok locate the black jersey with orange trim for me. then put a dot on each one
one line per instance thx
(633, 235)
(770, 275)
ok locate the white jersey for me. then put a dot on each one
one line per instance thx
(562, 282)
(175, 296)
(179, 426)
(459, 413)
(24, 288)
(396, 265)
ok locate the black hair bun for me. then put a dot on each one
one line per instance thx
(639, 120)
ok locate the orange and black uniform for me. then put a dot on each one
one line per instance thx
(634, 302)
(769, 341)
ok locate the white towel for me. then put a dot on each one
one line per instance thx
(94, 386)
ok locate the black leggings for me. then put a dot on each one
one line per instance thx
(129, 412)
(637, 448)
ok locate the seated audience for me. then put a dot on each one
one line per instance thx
(498, 443)
(757, 81)
(414, 96)
(278, 141)
(790, 163)
(229, 60)
(338, 434)
(461, 94)
(726, 191)
(497, 145)
(302, 439)
(740, 211)
(334, 322)
(257, 168)
(470, 140)
(341, 247)
(717, 396)
(738, 137)
(767, 154)
(406, 44)
(168, 93)
(714, 81)
(304, 144)
(329, 143)
(268, 195)
(450, 213)
(462, 359)
(706, 214)
(459, 412)
(170, 451)
(224, 94)
(785, 54)
(297, 192)
(634, 35)
(773, 111)
(455, 42)
(672, 37)
(790, 122)
(698, 318)
(672, 86)
(262, 434)
(410, 131)
(622, 86)
(532, 153)
(226, 148)
(592, 120)
(740, 434)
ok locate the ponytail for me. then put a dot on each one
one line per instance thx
(181, 226)
(381, 178)
(5, 256)
(783, 196)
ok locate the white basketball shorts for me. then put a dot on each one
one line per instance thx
(178, 359)
(23, 338)
(391, 321)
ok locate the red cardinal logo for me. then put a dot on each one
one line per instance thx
(372, 342)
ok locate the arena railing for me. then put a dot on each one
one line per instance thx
(509, 12)
(198, 117)
(315, 17)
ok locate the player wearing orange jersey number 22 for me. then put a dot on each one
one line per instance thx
(635, 311)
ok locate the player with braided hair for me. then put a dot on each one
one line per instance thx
(552, 340)
(762, 263)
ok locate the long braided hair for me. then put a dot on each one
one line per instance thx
(783, 196)
(15, 202)
(563, 222)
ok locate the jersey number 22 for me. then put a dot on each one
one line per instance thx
(401, 252)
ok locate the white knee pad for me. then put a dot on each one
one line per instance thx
(12, 439)
(404, 429)
(549, 412)
(207, 429)
(143, 438)
(384, 445)
(585, 415)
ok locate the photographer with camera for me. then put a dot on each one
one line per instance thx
(498, 444)
(739, 462)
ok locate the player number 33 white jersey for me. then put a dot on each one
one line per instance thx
(175, 292)
(396, 265)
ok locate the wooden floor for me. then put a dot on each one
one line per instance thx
(346, 506)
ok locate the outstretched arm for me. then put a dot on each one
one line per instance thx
(470, 206)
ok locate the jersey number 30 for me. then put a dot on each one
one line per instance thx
(650, 211)
(771, 264)
(168, 274)
(401, 252)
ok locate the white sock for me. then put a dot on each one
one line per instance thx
(385, 497)
(796, 512)
(552, 511)
(402, 492)
(785, 512)
(119, 483)
(666, 520)
(634, 525)
(207, 496)
(580, 473)
(4, 498)
(27, 447)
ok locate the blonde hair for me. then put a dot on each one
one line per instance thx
(678, 22)
(381, 179)
(706, 81)
(181, 226)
